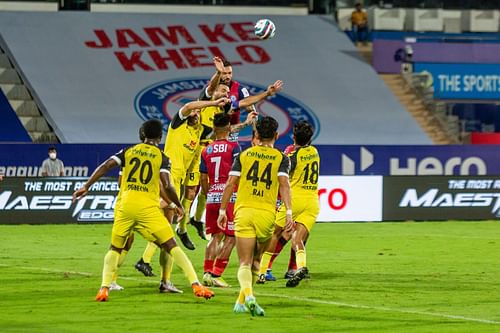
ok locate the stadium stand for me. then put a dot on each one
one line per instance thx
(325, 76)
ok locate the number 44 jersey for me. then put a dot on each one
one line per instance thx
(259, 168)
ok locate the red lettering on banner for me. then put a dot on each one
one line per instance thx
(253, 54)
(331, 196)
(244, 30)
(217, 33)
(129, 63)
(170, 35)
(173, 56)
(216, 52)
(151, 58)
(104, 41)
(127, 37)
(192, 58)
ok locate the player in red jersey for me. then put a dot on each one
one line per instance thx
(216, 161)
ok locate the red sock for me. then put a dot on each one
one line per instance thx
(219, 266)
(279, 246)
(291, 263)
(208, 266)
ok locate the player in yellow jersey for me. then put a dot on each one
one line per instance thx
(181, 147)
(304, 176)
(145, 167)
(259, 172)
(215, 88)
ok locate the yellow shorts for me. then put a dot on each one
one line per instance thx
(254, 223)
(193, 171)
(193, 178)
(304, 211)
(147, 221)
(177, 178)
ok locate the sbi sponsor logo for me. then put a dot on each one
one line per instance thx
(162, 100)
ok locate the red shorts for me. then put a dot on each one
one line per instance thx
(212, 213)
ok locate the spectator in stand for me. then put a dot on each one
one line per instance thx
(52, 166)
(359, 20)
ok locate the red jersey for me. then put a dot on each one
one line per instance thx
(216, 161)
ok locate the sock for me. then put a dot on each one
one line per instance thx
(245, 280)
(208, 266)
(255, 277)
(186, 204)
(219, 266)
(121, 259)
(110, 263)
(264, 262)
(166, 265)
(184, 263)
(200, 207)
(301, 258)
(279, 246)
(291, 263)
(241, 298)
(149, 252)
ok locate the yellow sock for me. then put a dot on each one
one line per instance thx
(110, 264)
(186, 204)
(264, 262)
(200, 206)
(241, 297)
(255, 277)
(149, 252)
(245, 280)
(300, 256)
(166, 264)
(121, 259)
(181, 260)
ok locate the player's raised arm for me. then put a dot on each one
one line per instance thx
(188, 108)
(249, 121)
(215, 79)
(101, 170)
(270, 91)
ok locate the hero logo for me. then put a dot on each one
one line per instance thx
(428, 166)
(336, 198)
(432, 198)
(85, 210)
(163, 100)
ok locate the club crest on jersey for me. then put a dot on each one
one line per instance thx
(162, 100)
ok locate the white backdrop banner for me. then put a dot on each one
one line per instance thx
(99, 75)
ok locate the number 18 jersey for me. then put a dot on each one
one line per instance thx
(304, 172)
(258, 168)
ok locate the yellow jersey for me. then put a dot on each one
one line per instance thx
(182, 142)
(140, 180)
(304, 171)
(258, 168)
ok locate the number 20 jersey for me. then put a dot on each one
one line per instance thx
(258, 168)
(141, 166)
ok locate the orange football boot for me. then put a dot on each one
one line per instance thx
(202, 291)
(102, 295)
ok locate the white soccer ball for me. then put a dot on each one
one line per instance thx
(264, 29)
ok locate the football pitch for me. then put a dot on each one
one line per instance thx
(365, 277)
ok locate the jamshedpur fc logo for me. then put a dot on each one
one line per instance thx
(163, 99)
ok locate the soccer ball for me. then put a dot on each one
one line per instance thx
(264, 29)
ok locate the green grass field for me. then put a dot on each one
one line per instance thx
(366, 277)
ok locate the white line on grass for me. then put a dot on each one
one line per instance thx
(296, 298)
